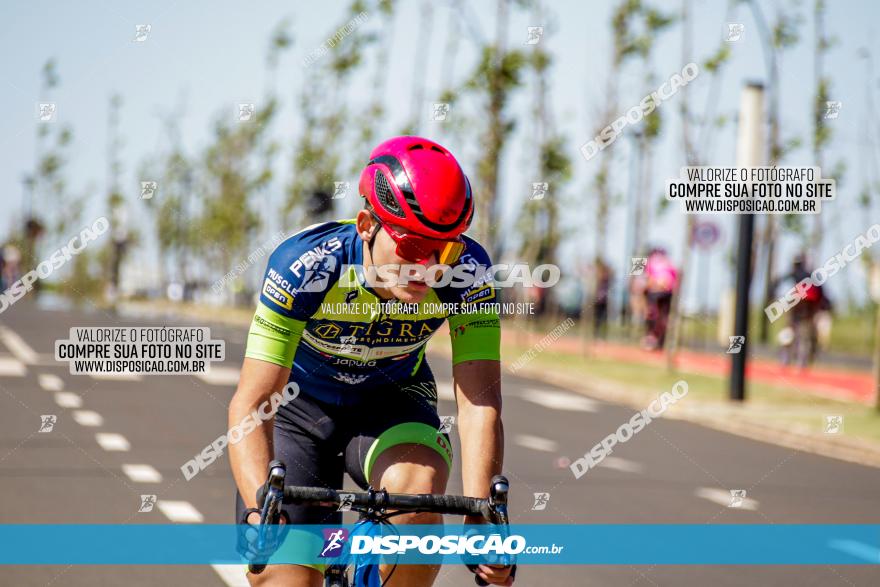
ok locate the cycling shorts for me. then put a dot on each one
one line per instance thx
(318, 441)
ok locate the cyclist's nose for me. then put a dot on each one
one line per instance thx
(430, 261)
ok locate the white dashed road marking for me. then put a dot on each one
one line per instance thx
(180, 511)
(88, 418)
(723, 497)
(50, 382)
(10, 367)
(18, 347)
(217, 375)
(445, 391)
(112, 441)
(232, 575)
(67, 399)
(559, 400)
(536, 442)
(142, 474)
(619, 464)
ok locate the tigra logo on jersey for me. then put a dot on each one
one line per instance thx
(308, 259)
(278, 296)
(383, 331)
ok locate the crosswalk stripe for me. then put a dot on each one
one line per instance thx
(67, 399)
(10, 367)
(180, 511)
(50, 382)
(87, 418)
(17, 346)
(723, 497)
(536, 442)
(559, 400)
(232, 575)
(142, 474)
(111, 441)
(217, 375)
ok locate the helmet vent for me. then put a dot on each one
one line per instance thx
(386, 196)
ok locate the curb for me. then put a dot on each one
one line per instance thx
(726, 418)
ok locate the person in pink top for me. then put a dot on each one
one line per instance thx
(662, 282)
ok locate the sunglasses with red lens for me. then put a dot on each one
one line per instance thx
(419, 249)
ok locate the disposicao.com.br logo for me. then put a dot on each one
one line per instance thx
(476, 544)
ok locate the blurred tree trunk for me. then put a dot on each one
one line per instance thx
(695, 155)
(539, 222)
(418, 111)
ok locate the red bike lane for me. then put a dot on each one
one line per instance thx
(853, 386)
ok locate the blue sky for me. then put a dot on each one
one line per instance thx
(211, 55)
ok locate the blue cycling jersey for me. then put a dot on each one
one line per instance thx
(316, 315)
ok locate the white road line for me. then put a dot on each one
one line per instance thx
(723, 497)
(180, 511)
(10, 367)
(536, 442)
(232, 575)
(116, 376)
(220, 375)
(50, 382)
(68, 399)
(112, 441)
(87, 418)
(445, 391)
(559, 400)
(142, 474)
(18, 347)
(623, 465)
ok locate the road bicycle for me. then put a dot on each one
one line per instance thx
(373, 508)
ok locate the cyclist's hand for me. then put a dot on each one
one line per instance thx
(495, 575)
(492, 574)
(273, 536)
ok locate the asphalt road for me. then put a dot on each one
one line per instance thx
(117, 439)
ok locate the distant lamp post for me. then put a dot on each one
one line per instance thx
(749, 153)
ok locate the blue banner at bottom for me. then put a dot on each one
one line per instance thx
(607, 544)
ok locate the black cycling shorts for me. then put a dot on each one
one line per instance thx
(318, 441)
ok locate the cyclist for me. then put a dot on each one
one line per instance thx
(799, 339)
(368, 401)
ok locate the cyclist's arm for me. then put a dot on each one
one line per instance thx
(275, 332)
(478, 395)
(476, 370)
(271, 345)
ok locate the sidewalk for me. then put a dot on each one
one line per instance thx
(839, 384)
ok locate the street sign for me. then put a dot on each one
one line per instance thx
(705, 234)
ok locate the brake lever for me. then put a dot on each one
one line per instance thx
(273, 497)
(497, 506)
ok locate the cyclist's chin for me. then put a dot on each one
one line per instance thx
(412, 293)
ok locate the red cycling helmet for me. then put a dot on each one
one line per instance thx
(417, 184)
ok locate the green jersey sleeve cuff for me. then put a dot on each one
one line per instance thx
(475, 336)
(273, 337)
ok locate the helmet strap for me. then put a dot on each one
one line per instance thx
(373, 237)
